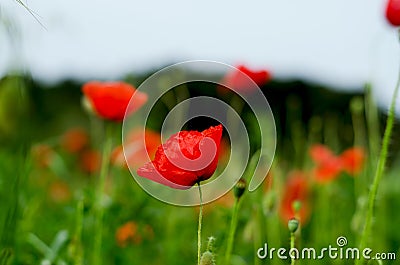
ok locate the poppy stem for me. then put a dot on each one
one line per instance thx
(99, 207)
(199, 227)
(232, 230)
(292, 239)
(237, 104)
(78, 255)
(379, 172)
(373, 126)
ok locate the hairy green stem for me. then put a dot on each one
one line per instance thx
(292, 239)
(78, 255)
(99, 208)
(232, 230)
(373, 126)
(379, 171)
(199, 226)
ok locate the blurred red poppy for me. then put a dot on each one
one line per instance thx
(393, 12)
(110, 99)
(74, 140)
(127, 233)
(296, 191)
(320, 153)
(186, 158)
(327, 165)
(43, 155)
(238, 80)
(59, 192)
(353, 160)
(90, 161)
(139, 146)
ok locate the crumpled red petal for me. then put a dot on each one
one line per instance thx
(179, 162)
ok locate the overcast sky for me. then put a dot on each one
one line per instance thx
(343, 43)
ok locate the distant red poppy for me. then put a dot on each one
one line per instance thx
(139, 146)
(127, 233)
(353, 160)
(59, 192)
(43, 155)
(320, 153)
(186, 158)
(393, 12)
(74, 140)
(90, 161)
(110, 99)
(327, 165)
(237, 79)
(295, 191)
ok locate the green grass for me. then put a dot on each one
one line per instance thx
(38, 223)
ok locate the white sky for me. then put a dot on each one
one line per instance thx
(342, 43)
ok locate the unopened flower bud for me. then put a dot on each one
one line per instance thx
(207, 258)
(87, 106)
(239, 188)
(357, 105)
(296, 205)
(293, 225)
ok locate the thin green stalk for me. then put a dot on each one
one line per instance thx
(357, 114)
(232, 232)
(371, 112)
(99, 208)
(379, 171)
(238, 104)
(199, 227)
(78, 257)
(292, 239)
(257, 232)
(257, 260)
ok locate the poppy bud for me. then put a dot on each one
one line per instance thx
(207, 258)
(357, 105)
(87, 106)
(296, 205)
(293, 225)
(239, 188)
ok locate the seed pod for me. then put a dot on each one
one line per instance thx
(207, 258)
(239, 188)
(293, 225)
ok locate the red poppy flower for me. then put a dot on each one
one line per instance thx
(90, 161)
(393, 12)
(328, 166)
(75, 140)
(110, 99)
(186, 158)
(43, 155)
(320, 153)
(296, 190)
(127, 233)
(237, 79)
(137, 151)
(59, 192)
(353, 160)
